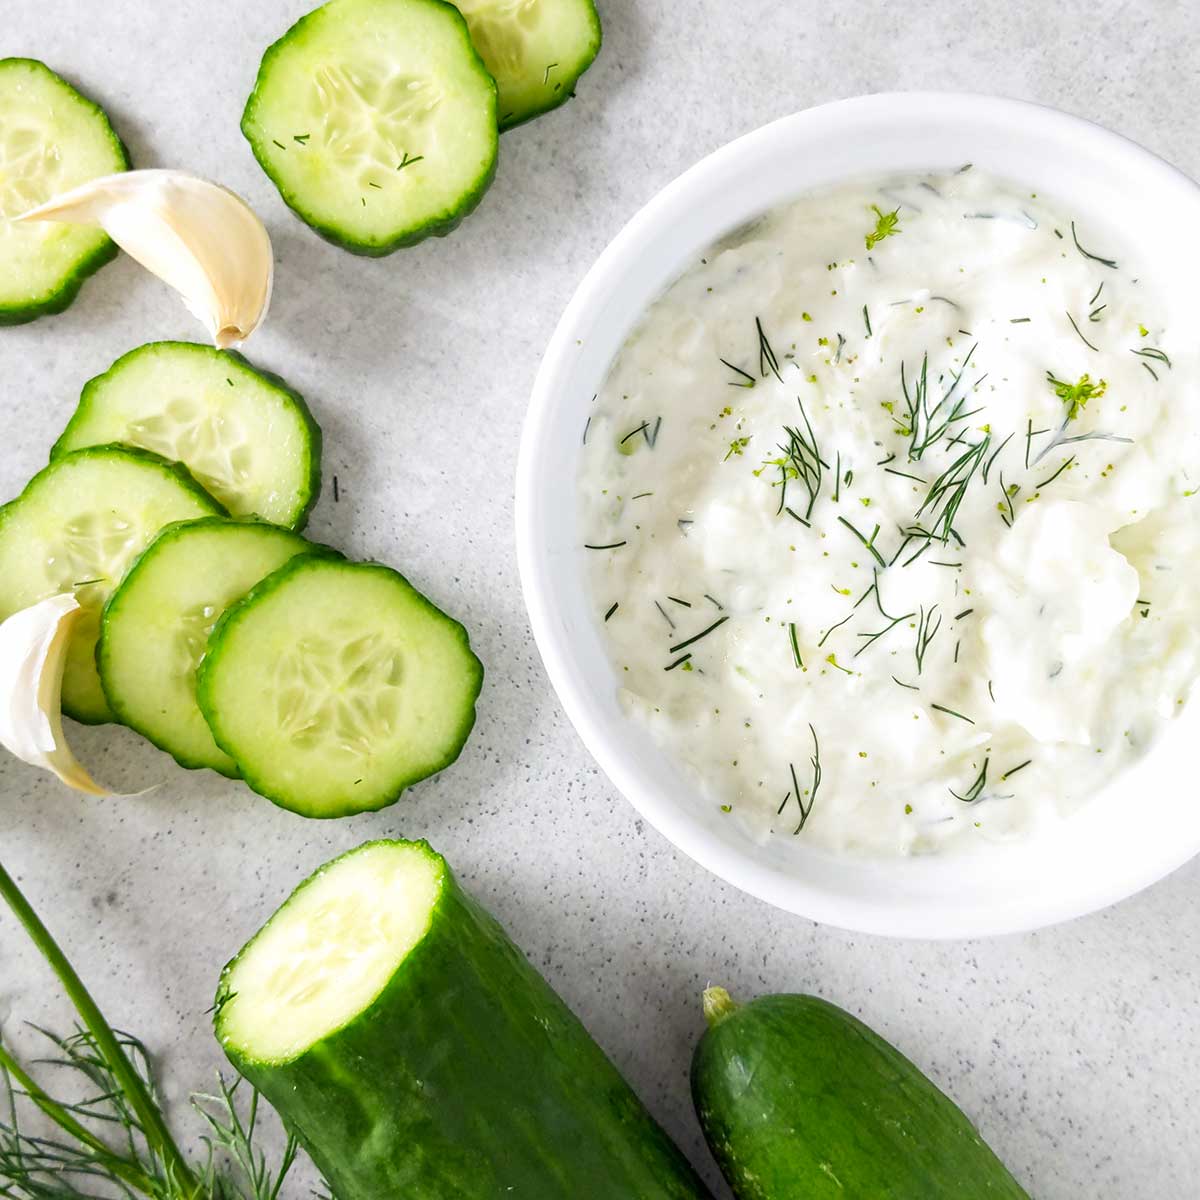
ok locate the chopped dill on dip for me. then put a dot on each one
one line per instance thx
(907, 468)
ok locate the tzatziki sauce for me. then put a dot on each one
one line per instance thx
(888, 511)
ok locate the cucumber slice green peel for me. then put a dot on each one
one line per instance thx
(336, 685)
(376, 120)
(246, 436)
(154, 628)
(76, 527)
(536, 50)
(415, 1052)
(51, 139)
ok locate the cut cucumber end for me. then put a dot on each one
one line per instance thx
(329, 950)
(51, 139)
(76, 527)
(536, 50)
(336, 685)
(246, 436)
(376, 120)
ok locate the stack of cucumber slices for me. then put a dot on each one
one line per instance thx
(377, 120)
(171, 509)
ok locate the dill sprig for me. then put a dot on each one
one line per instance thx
(976, 789)
(886, 224)
(947, 491)
(868, 542)
(926, 632)
(116, 1141)
(766, 356)
(1076, 395)
(806, 809)
(745, 380)
(801, 462)
(795, 643)
(925, 425)
(1104, 262)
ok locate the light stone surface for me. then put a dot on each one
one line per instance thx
(1075, 1048)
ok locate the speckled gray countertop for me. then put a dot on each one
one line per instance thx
(1075, 1049)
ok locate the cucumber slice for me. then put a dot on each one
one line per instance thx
(535, 50)
(51, 139)
(155, 626)
(76, 527)
(376, 121)
(335, 685)
(415, 1051)
(243, 433)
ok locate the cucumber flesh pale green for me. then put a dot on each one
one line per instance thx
(376, 120)
(76, 527)
(155, 626)
(801, 1101)
(51, 139)
(336, 685)
(243, 434)
(535, 50)
(415, 1052)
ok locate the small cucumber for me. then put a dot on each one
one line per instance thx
(536, 50)
(155, 626)
(242, 433)
(416, 1053)
(336, 685)
(76, 527)
(376, 120)
(51, 139)
(801, 1101)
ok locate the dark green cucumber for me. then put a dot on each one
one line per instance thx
(536, 50)
(376, 120)
(801, 1101)
(242, 432)
(416, 1053)
(51, 139)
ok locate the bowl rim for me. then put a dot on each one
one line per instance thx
(791, 892)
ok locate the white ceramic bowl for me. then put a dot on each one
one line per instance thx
(1139, 828)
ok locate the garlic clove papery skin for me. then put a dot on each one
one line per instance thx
(33, 648)
(198, 237)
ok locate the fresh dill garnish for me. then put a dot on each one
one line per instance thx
(991, 694)
(677, 663)
(641, 495)
(801, 462)
(951, 713)
(841, 341)
(549, 68)
(676, 600)
(934, 562)
(87, 582)
(987, 466)
(966, 612)
(869, 543)
(1096, 295)
(375, 185)
(702, 634)
(1076, 395)
(837, 478)
(1079, 331)
(586, 427)
(1153, 372)
(279, 144)
(796, 516)
(884, 461)
(408, 162)
(666, 617)
(1019, 320)
(848, 617)
(872, 638)
(737, 447)
(1052, 478)
(1104, 262)
(336, 492)
(904, 475)
(766, 356)
(302, 138)
(947, 491)
(608, 546)
(1094, 315)
(1006, 501)
(867, 320)
(634, 432)
(795, 646)
(923, 425)
(912, 687)
(746, 381)
(1020, 767)
(1151, 352)
(715, 603)
(615, 605)
(886, 224)
(926, 632)
(976, 789)
(806, 810)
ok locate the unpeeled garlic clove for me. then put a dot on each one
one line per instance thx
(33, 648)
(196, 236)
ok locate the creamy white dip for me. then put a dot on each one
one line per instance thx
(889, 515)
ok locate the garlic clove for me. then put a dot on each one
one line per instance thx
(33, 648)
(201, 239)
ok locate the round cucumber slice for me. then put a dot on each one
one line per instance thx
(335, 685)
(535, 50)
(76, 527)
(51, 139)
(376, 120)
(242, 433)
(155, 626)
